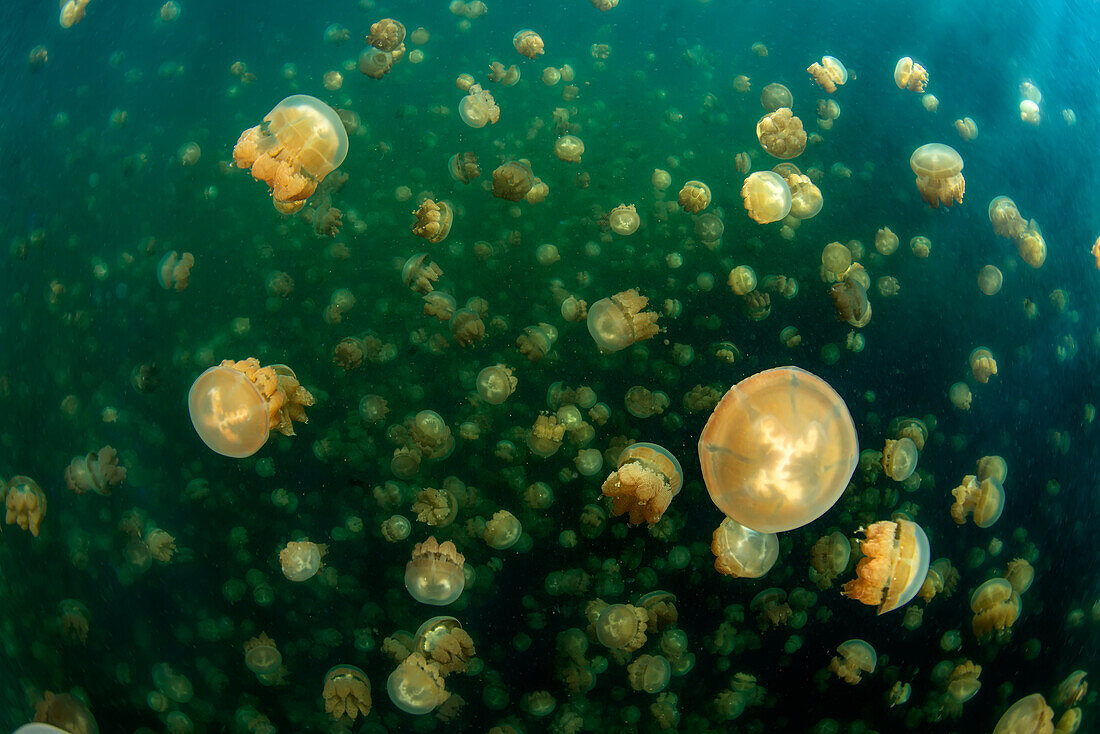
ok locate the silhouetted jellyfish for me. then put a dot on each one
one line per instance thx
(346, 692)
(829, 558)
(854, 658)
(984, 500)
(778, 450)
(235, 405)
(899, 458)
(647, 478)
(300, 560)
(780, 133)
(766, 196)
(67, 712)
(262, 657)
(24, 502)
(742, 552)
(435, 574)
(1029, 715)
(850, 300)
(939, 174)
(618, 321)
(893, 567)
(416, 685)
(300, 141)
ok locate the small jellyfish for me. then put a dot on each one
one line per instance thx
(649, 673)
(894, 566)
(960, 396)
(502, 530)
(1029, 112)
(435, 574)
(886, 242)
(72, 12)
(618, 321)
(850, 301)
(346, 692)
(829, 557)
(775, 96)
(300, 141)
(300, 560)
(433, 220)
(443, 642)
(982, 364)
(174, 270)
(899, 458)
(780, 133)
(536, 341)
(854, 658)
(966, 128)
(621, 627)
(778, 450)
(464, 167)
(766, 196)
(513, 180)
(990, 280)
(419, 273)
(647, 478)
(387, 35)
(742, 280)
(996, 607)
(806, 199)
(375, 63)
(910, 75)
(829, 73)
(624, 220)
(939, 174)
(24, 503)
(97, 471)
(528, 43)
(478, 108)
(984, 499)
(261, 656)
(742, 552)
(569, 148)
(694, 197)
(235, 405)
(416, 685)
(496, 383)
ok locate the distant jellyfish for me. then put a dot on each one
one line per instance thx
(939, 174)
(982, 364)
(495, 383)
(990, 280)
(910, 75)
(774, 96)
(829, 73)
(894, 566)
(778, 450)
(261, 656)
(621, 627)
(346, 693)
(24, 503)
(899, 458)
(300, 560)
(647, 478)
(854, 658)
(619, 321)
(742, 552)
(985, 500)
(694, 197)
(434, 575)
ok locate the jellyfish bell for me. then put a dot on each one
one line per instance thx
(854, 658)
(899, 458)
(435, 574)
(894, 566)
(416, 686)
(939, 174)
(618, 321)
(228, 412)
(778, 450)
(766, 196)
(1029, 715)
(742, 552)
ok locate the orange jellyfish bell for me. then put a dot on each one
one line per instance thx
(778, 450)
(894, 566)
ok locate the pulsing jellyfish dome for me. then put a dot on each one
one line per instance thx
(778, 450)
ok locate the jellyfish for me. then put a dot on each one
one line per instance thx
(416, 685)
(766, 196)
(346, 692)
(464, 167)
(618, 321)
(387, 35)
(774, 96)
(894, 566)
(806, 200)
(829, 558)
(1029, 715)
(742, 280)
(419, 273)
(899, 458)
(1029, 112)
(97, 471)
(496, 383)
(536, 341)
(433, 221)
(300, 141)
(262, 657)
(778, 450)
(850, 300)
(478, 108)
(1020, 574)
(966, 128)
(434, 575)
(24, 502)
(982, 364)
(174, 271)
(1031, 245)
(569, 148)
(829, 73)
(990, 280)
(235, 405)
(502, 530)
(647, 478)
(443, 642)
(619, 626)
(996, 607)
(513, 180)
(960, 396)
(67, 712)
(624, 220)
(780, 133)
(741, 552)
(300, 560)
(886, 242)
(985, 500)
(528, 43)
(694, 197)
(854, 658)
(72, 12)
(939, 174)
(910, 75)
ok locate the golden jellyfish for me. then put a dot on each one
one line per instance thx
(742, 83)
(647, 478)
(661, 179)
(1005, 218)
(1029, 112)
(537, 340)
(513, 180)
(261, 655)
(24, 503)
(960, 396)
(569, 148)
(829, 558)
(301, 560)
(346, 692)
(694, 197)
(464, 167)
(939, 174)
(742, 552)
(624, 220)
(854, 658)
(893, 567)
(930, 102)
(621, 627)
(528, 43)
(742, 280)
(984, 499)
(1029, 715)
(1072, 690)
(604, 5)
(899, 458)
(496, 383)
(908, 74)
(829, 73)
(443, 643)
(433, 221)
(778, 450)
(419, 273)
(849, 298)
(766, 196)
(774, 96)
(996, 607)
(982, 364)
(478, 108)
(806, 199)
(742, 162)
(174, 271)
(649, 673)
(435, 573)
(963, 683)
(886, 242)
(62, 710)
(170, 11)
(235, 405)
(827, 111)
(300, 141)
(618, 321)
(508, 77)
(72, 12)
(387, 35)
(990, 280)
(416, 685)
(502, 530)
(780, 133)
(1031, 246)
(375, 63)
(966, 128)
(98, 471)
(1020, 574)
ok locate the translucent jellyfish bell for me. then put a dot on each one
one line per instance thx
(899, 459)
(415, 686)
(767, 196)
(778, 450)
(435, 573)
(312, 130)
(894, 566)
(228, 412)
(742, 552)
